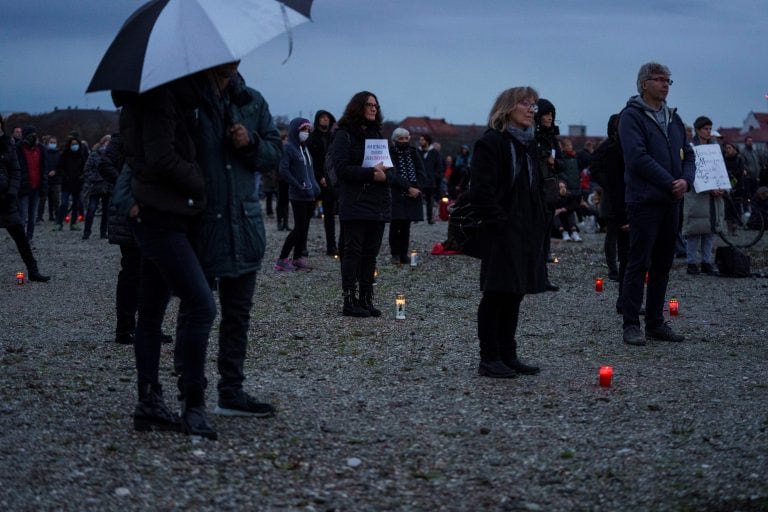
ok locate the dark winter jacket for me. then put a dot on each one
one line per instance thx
(111, 164)
(360, 198)
(296, 166)
(607, 169)
(25, 187)
(318, 145)
(156, 128)
(71, 168)
(10, 180)
(653, 158)
(546, 144)
(232, 237)
(405, 207)
(95, 182)
(433, 167)
(52, 160)
(514, 211)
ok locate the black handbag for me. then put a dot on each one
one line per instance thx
(468, 231)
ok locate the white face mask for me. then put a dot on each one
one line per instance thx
(303, 136)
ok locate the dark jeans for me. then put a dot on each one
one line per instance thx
(653, 229)
(93, 204)
(28, 211)
(64, 206)
(362, 242)
(236, 298)
(270, 197)
(399, 238)
(497, 317)
(22, 244)
(282, 203)
(297, 238)
(176, 270)
(429, 200)
(54, 191)
(127, 292)
(329, 221)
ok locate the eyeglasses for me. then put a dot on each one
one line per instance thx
(372, 105)
(529, 106)
(662, 80)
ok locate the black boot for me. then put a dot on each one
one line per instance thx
(509, 358)
(151, 412)
(35, 275)
(352, 307)
(194, 421)
(366, 301)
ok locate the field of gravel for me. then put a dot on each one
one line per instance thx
(385, 414)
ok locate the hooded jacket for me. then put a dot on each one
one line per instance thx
(296, 166)
(653, 157)
(319, 142)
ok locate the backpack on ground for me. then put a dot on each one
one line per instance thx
(732, 263)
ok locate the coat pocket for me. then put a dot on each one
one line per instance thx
(254, 238)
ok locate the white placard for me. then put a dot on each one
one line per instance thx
(377, 150)
(710, 169)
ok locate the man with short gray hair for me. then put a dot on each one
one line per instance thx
(659, 169)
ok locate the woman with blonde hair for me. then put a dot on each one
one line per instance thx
(505, 190)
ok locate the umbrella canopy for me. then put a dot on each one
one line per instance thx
(168, 39)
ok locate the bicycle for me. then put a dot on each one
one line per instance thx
(744, 225)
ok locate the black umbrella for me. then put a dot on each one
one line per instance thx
(167, 39)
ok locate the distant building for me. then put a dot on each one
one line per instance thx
(577, 130)
(755, 126)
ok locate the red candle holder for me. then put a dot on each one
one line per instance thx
(19, 278)
(599, 284)
(674, 307)
(67, 219)
(606, 375)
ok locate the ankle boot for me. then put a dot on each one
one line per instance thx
(366, 301)
(194, 421)
(35, 275)
(352, 307)
(509, 358)
(151, 413)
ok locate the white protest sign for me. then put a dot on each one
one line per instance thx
(710, 169)
(377, 150)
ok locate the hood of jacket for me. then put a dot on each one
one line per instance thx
(293, 130)
(321, 113)
(638, 102)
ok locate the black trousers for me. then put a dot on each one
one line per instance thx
(297, 238)
(19, 236)
(362, 242)
(429, 200)
(127, 291)
(329, 221)
(497, 318)
(652, 234)
(399, 238)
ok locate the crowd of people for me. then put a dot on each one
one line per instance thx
(180, 186)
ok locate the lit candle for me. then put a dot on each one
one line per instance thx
(646, 278)
(414, 258)
(556, 260)
(674, 307)
(606, 375)
(400, 306)
(19, 277)
(599, 284)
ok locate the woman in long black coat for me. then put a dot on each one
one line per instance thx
(505, 189)
(407, 181)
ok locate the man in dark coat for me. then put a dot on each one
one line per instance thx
(433, 168)
(10, 179)
(318, 143)
(659, 170)
(235, 137)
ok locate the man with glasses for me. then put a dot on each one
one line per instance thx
(659, 169)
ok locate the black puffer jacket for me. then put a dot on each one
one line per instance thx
(110, 166)
(9, 183)
(360, 198)
(167, 183)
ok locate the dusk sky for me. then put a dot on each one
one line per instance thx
(443, 58)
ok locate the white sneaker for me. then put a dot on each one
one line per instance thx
(575, 236)
(566, 236)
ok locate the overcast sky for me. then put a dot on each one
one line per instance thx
(441, 58)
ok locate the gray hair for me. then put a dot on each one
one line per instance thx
(400, 132)
(647, 71)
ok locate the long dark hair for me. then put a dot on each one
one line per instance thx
(354, 113)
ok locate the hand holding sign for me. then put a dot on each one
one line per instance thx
(377, 153)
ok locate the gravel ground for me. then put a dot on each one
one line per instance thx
(381, 414)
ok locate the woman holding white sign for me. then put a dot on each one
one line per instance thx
(703, 213)
(360, 158)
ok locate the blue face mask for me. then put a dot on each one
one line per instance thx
(74, 147)
(51, 145)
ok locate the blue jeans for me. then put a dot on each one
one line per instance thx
(692, 244)
(28, 211)
(652, 234)
(176, 271)
(93, 204)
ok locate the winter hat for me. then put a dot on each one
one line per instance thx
(545, 107)
(701, 122)
(28, 130)
(400, 132)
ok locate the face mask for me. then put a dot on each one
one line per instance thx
(401, 145)
(74, 148)
(303, 136)
(51, 145)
